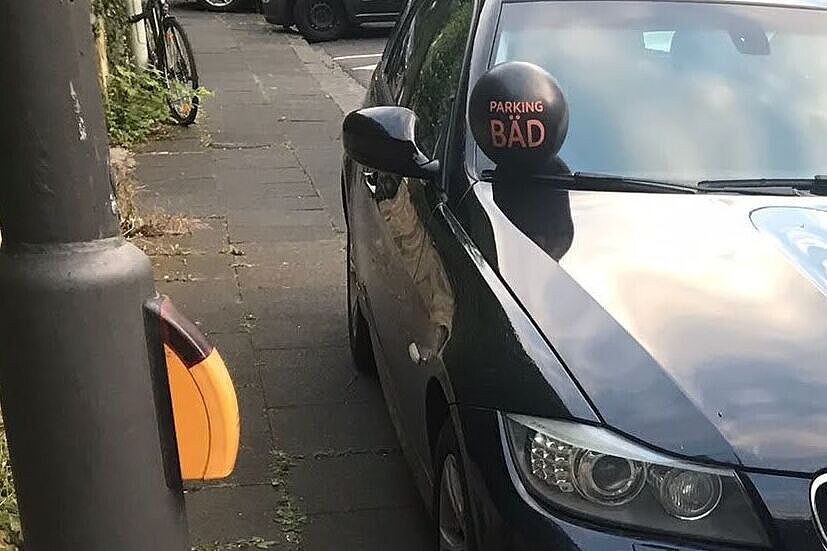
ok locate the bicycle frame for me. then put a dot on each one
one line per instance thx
(164, 41)
(154, 12)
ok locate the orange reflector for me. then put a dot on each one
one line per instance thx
(207, 422)
(204, 402)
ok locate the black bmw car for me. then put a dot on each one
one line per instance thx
(587, 256)
(322, 20)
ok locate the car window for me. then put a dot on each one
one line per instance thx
(680, 91)
(433, 63)
(398, 55)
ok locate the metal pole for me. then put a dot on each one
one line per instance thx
(80, 399)
(137, 35)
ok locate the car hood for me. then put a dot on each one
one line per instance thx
(694, 323)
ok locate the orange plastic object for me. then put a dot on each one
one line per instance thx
(204, 402)
(207, 421)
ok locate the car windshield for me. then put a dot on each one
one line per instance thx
(680, 91)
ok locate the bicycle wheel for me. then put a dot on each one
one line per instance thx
(151, 41)
(180, 72)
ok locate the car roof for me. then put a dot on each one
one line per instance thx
(809, 4)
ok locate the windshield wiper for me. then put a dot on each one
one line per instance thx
(610, 182)
(764, 186)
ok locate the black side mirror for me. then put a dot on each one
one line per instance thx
(384, 138)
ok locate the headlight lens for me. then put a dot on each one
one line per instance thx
(590, 471)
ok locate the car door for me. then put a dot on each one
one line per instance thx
(413, 316)
(386, 232)
(366, 8)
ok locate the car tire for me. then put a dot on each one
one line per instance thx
(320, 20)
(452, 513)
(361, 347)
(224, 5)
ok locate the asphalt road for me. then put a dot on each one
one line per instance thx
(359, 53)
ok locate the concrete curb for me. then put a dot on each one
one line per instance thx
(343, 89)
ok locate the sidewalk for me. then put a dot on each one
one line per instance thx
(263, 273)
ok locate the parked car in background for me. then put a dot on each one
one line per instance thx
(586, 255)
(322, 20)
(228, 5)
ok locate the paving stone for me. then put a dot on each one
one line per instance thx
(156, 156)
(255, 457)
(252, 408)
(352, 483)
(195, 204)
(303, 133)
(307, 109)
(277, 217)
(247, 233)
(180, 185)
(258, 137)
(334, 429)
(252, 118)
(186, 167)
(290, 84)
(206, 236)
(320, 263)
(275, 203)
(261, 158)
(316, 328)
(237, 351)
(175, 140)
(324, 167)
(310, 315)
(243, 95)
(314, 376)
(405, 529)
(166, 266)
(213, 305)
(245, 182)
(231, 514)
(207, 267)
(261, 194)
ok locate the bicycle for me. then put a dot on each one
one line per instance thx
(171, 54)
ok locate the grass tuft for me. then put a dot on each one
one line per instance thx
(11, 538)
(134, 222)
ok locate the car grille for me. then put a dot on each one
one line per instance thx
(818, 500)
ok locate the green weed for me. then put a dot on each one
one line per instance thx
(10, 535)
(136, 104)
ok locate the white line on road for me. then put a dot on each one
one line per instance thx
(356, 56)
(365, 68)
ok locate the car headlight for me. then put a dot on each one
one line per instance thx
(594, 473)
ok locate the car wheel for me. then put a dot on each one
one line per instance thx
(451, 504)
(224, 5)
(358, 332)
(320, 20)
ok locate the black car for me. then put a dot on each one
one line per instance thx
(321, 20)
(587, 254)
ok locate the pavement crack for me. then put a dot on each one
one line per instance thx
(235, 267)
(238, 145)
(336, 454)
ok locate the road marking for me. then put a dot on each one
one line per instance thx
(365, 68)
(356, 56)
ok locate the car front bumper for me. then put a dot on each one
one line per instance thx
(507, 517)
(277, 12)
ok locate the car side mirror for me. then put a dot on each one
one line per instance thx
(384, 138)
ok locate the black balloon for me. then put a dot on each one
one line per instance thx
(518, 115)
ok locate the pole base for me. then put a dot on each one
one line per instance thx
(78, 397)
